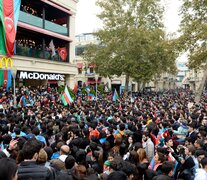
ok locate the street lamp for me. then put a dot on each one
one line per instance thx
(14, 73)
(96, 78)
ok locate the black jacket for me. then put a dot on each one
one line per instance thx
(162, 177)
(30, 170)
(192, 137)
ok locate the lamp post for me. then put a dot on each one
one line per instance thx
(96, 78)
(14, 72)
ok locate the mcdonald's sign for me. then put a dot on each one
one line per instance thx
(6, 62)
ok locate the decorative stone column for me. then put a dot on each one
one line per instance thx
(70, 80)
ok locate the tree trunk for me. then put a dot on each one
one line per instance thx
(138, 86)
(126, 84)
(199, 91)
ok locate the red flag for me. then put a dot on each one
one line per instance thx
(63, 53)
(79, 101)
(5, 78)
(75, 88)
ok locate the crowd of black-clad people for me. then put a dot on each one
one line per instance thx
(149, 136)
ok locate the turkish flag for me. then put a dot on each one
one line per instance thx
(62, 53)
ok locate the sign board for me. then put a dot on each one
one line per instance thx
(41, 76)
(116, 82)
(6, 62)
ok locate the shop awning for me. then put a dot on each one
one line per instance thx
(91, 65)
(93, 81)
(52, 82)
(79, 65)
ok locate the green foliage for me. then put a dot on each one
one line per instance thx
(84, 91)
(132, 41)
(93, 92)
(194, 32)
(61, 89)
(100, 88)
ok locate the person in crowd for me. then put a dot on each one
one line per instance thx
(28, 168)
(8, 169)
(148, 145)
(199, 144)
(167, 171)
(59, 163)
(68, 173)
(201, 173)
(169, 146)
(143, 162)
(192, 135)
(102, 138)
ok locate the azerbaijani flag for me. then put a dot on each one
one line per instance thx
(88, 89)
(9, 14)
(115, 96)
(22, 102)
(66, 98)
(91, 97)
(5, 79)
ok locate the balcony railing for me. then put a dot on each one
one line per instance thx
(38, 22)
(30, 19)
(56, 28)
(37, 53)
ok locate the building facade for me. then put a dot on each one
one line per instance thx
(86, 72)
(45, 43)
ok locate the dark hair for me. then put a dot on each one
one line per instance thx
(167, 167)
(137, 145)
(31, 147)
(69, 162)
(36, 131)
(161, 157)
(49, 152)
(8, 168)
(200, 142)
(117, 175)
(147, 134)
(204, 162)
(167, 139)
(121, 127)
(200, 152)
(17, 131)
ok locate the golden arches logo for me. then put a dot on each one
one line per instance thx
(6, 62)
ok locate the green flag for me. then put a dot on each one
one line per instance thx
(1, 76)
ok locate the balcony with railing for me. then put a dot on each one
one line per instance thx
(32, 44)
(43, 16)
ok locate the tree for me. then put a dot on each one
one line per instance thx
(193, 37)
(132, 41)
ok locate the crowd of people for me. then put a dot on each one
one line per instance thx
(152, 136)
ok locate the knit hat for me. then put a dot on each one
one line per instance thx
(107, 163)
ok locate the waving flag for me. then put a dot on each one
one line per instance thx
(88, 89)
(62, 53)
(115, 96)
(22, 102)
(5, 79)
(9, 14)
(66, 98)
(52, 47)
(75, 89)
(91, 97)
